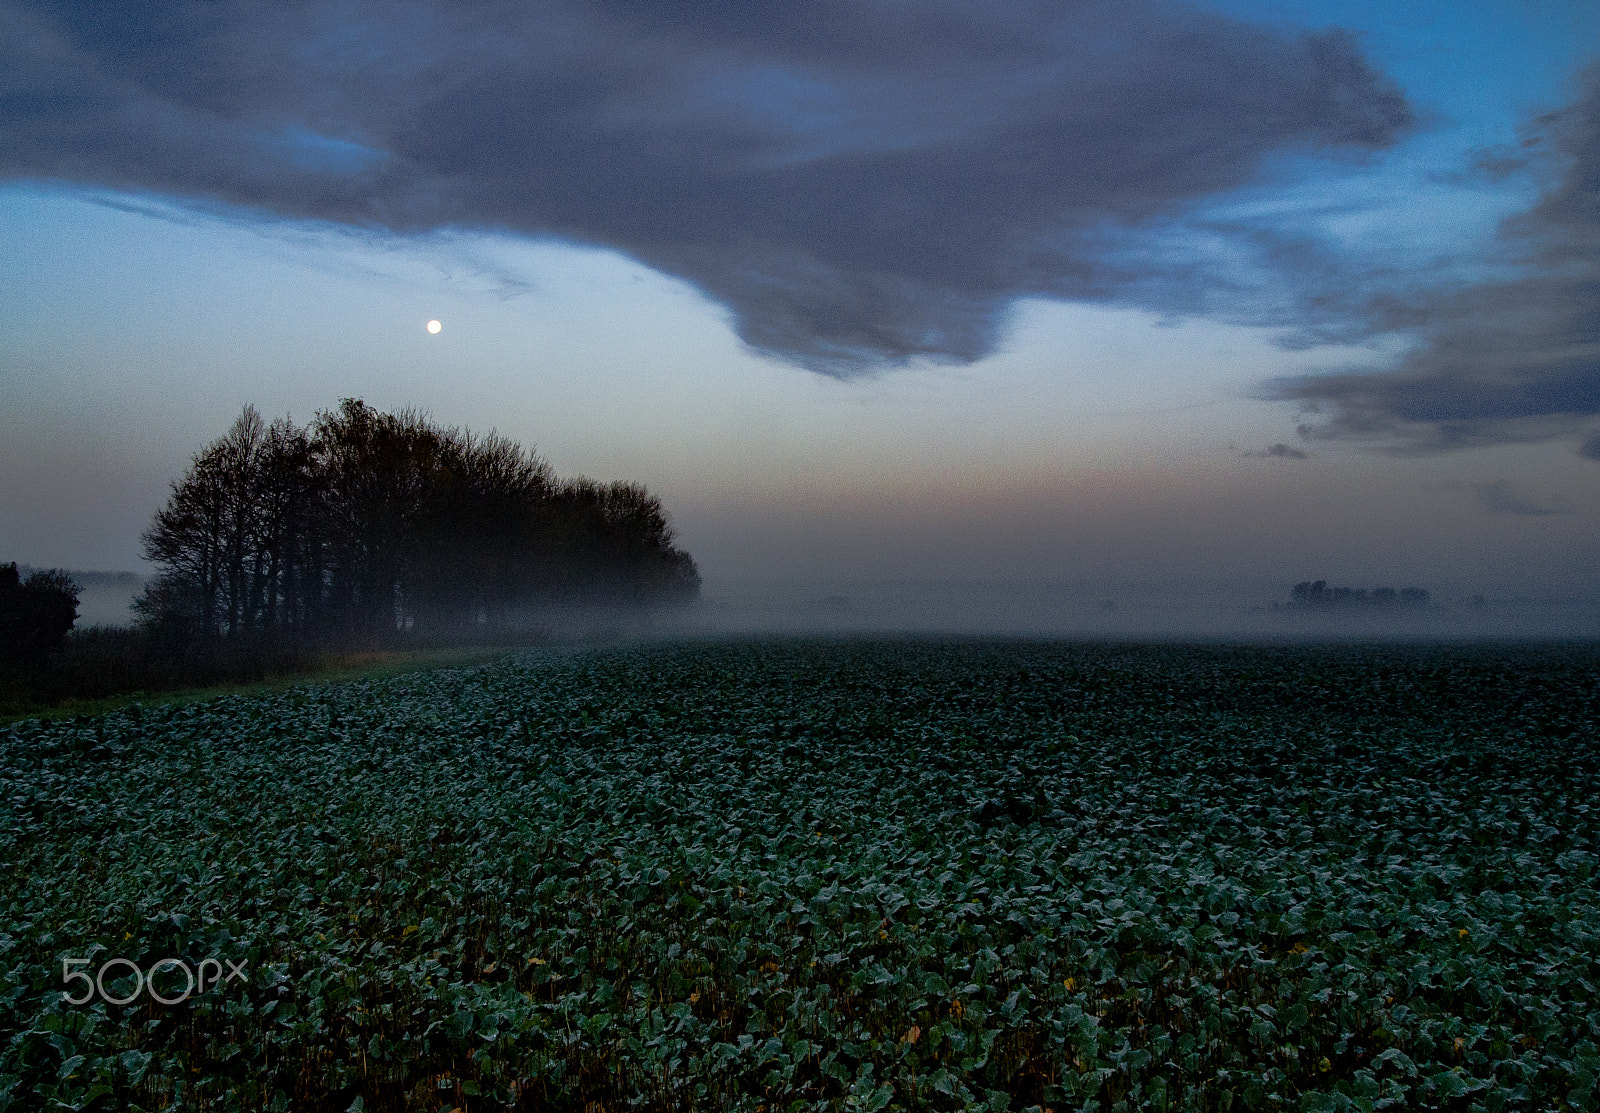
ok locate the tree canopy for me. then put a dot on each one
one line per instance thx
(366, 524)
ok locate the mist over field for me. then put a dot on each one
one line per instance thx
(1121, 610)
(106, 598)
(1112, 609)
(1128, 609)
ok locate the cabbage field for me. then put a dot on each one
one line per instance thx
(853, 875)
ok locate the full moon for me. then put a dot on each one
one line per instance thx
(434, 326)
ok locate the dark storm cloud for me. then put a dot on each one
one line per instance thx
(1511, 359)
(860, 183)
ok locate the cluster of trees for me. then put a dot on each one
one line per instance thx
(1317, 593)
(363, 524)
(36, 614)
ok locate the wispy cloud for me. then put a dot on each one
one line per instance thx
(1277, 451)
(1498, 497)
(1512, 359)
(861, 182)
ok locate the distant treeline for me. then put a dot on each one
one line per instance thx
(363, 526)
(1309, 594)
(125, 581)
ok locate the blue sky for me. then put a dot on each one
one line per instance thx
(924, 296)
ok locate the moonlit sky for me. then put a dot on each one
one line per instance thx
(1011, 291)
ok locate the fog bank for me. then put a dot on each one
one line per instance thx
(1126, 609)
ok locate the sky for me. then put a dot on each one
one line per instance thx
(1143, 297)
